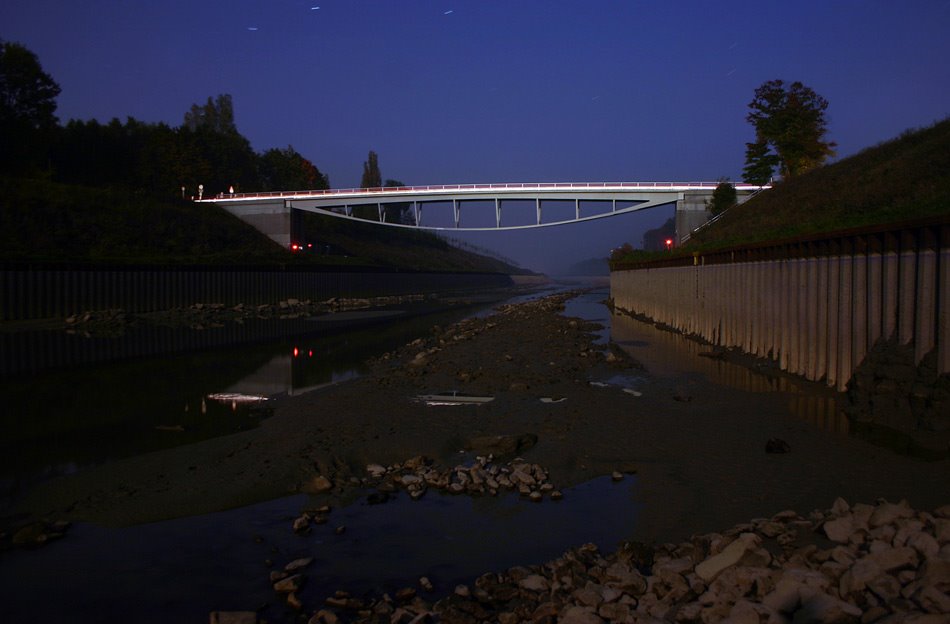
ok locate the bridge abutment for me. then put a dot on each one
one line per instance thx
(272, 217)
(691, 212)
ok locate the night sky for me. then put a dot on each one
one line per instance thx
(475, 91)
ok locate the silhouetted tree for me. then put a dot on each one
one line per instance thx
(371, 177)
(760, 163)
(216, 115)
(27, 107)
(285, 169)
(655, 239)
(790, 130)
(723, 197)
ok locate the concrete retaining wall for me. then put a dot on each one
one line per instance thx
(815, 306)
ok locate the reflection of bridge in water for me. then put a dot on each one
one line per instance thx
(271, 213)
(292, 374)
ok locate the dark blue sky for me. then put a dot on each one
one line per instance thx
(458, 91)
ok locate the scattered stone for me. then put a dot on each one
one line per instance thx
(730, 556)
(735, 579)
(289, 584)
(233, 617)
(502, 445)
(777, 445)
(294, 602)
(298, 564)
(318, 485)
(484, 477)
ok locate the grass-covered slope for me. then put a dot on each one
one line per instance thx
(44, 222)
(48, 223)
(903, 179)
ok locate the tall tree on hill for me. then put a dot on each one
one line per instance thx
(27, 107)
(790, 129)
(723, 197)
(222, 158)
(216, 115)
(286, 169)
(371, 176)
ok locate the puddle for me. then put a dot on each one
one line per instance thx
(590, 307)
(180, 570)
(453, 397)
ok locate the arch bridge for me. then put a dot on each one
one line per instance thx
(271, 213)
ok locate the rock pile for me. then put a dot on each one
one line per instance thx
(208, 315)
(882, 563)
(98, 323)
(33, 534)
(569, 351)
(484, 476)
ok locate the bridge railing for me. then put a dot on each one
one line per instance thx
(475, 187)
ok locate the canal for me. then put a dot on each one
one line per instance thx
(65, 421)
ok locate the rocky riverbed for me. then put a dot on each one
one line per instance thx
(202, 316)
(884, 563)
(559, 417)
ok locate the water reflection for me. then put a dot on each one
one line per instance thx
(669, 354)
(60, 421)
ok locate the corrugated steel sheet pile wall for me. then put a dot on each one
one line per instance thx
(816, 306)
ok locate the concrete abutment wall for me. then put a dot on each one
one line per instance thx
(817, 307)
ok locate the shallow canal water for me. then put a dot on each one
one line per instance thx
(182, 569)
(63, 420)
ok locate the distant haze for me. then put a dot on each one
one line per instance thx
(555, 250)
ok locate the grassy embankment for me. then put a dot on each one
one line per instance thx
(43, 223)
(903, 179)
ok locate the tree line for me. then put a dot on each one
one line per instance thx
(207, 149)
(156, 158)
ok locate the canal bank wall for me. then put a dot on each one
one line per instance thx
(817, 307)
(32, 293)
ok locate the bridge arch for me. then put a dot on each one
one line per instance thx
(271, 212)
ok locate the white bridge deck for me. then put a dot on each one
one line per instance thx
(340, 202)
